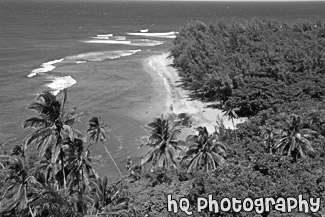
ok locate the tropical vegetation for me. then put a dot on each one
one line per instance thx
(268, 71)
(252, 66)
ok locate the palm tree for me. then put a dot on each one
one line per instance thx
(231, 113)
(52, 125)
(97, 132)
(100, 194)
(77, 165)
(293, 138)
(268, 134)
(53, 122)
(163, 143)
(50, 202)
(19, 180)
(205, 151)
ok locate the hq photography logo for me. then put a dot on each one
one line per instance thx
(259, 205)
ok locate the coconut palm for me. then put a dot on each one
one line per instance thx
(268, 134)
(77, 164)
(163, 143)
(52, 125)
(19, 181)
(205, 152)
(51, 202)
(293, 138)
(97, 132)
(100, 194)
(231, 113)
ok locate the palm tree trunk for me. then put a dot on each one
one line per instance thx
(233, 124)
(63, 172)
(112, 160)
(25, 194)
(31, 212)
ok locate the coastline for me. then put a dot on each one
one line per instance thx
(177, 100)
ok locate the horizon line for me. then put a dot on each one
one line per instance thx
(209, 0)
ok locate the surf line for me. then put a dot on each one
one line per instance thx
(45, 67)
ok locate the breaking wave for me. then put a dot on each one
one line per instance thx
(171, 34)
(107, 35)
(45, 67)
(132, 42)
(107, 41)
(100, 56)
(60, 83)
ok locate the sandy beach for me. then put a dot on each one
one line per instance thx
(177, 100)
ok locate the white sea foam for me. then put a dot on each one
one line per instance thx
(60, 83)
(171, 34)
(162, 74)
(132, 42)
(100, 56)
(145, 42)
(106, 41)
(101, 37)
(119, 38)
(45, 67)
(107, 35)
(167, 36)
(79, 62)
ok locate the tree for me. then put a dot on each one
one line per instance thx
(18, 191)
(293, 139)
(253, 66)
(205, 152)
(52, 125)
(97, 131)
(268, 134)
(231, 113)
(163, 143)
(77, 165)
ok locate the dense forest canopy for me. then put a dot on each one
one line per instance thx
(253, 66)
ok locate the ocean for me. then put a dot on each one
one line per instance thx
(96, 49)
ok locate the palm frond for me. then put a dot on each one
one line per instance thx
(148, 157)
(37, 136)
(195, 163)
(47, 97)
(218, 158)
(35, 122)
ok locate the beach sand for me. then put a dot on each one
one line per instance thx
(178, 101)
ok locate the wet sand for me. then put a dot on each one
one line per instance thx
(177, 99)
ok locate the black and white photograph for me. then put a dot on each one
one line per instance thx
(153, 108)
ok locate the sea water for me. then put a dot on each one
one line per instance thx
(96, 49)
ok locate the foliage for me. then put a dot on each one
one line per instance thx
(163, 144)
(97, 131)
(253, 66)
(204, 151)
(294, 139)
(269, 71)
(61, 180)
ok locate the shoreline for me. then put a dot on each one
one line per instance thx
(177, 100)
